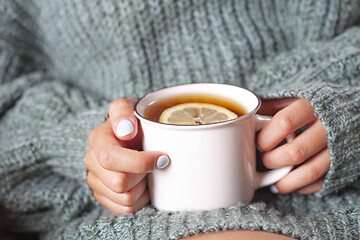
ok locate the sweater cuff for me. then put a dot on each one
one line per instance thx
(84, 123)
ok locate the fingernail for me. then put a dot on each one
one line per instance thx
(124, 127)
(162, 162)
(273, 189)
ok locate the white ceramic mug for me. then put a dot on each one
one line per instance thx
(211, 165)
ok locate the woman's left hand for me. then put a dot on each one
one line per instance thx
(290, 115)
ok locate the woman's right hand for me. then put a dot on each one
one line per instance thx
(116, 168)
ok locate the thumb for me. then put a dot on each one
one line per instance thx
(122, 118)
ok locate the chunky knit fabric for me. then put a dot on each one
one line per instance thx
(62, 62)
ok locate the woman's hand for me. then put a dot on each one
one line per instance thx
(292, 114)
(116, 169)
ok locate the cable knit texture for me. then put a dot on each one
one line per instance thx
(63, 61)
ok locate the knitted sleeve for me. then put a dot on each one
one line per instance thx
(327, 75)
(44, 125)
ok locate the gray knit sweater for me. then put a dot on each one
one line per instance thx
(63, 61)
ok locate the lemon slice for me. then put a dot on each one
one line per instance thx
(194, 113)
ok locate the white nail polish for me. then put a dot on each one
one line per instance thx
(162, 162)
(124, 127)
(273, 189)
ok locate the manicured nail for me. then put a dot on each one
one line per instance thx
(124, 127)
(273, 189)
(162, 162)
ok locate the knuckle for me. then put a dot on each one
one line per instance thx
(286, 121)
(100, 199)
(85, 160)
(141, 164)
(118, 210)
(92, 136)
(103, 158)
(128, 199)
(267, 160)
(127, 210)
(312, 174)
(118, 104)
(97, 198)
(119, 183)
(88, 159)
(296, 153)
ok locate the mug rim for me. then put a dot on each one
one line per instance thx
(209, 125)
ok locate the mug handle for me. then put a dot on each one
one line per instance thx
(272, 176)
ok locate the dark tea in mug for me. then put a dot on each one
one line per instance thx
(155, 109)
